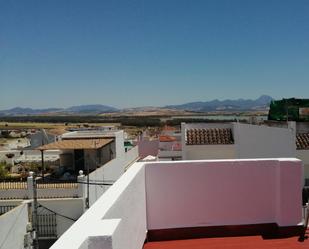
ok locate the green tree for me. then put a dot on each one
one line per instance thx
(3, 170)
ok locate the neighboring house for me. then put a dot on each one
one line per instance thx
(40, 138)
(301, 138)
(147, 146)
(235, 140)
(61, 202)
(87, 150)
(169, 145)
(83, 154)
(302, 152)
(103, 152)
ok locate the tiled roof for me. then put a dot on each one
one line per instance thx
(56, 132)
(302, 141)
(166, 138)
(209, 136)
(169, 128)
(76, 144)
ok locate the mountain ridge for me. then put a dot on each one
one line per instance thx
(79, 109)
(261, 103)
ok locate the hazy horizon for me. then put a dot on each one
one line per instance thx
(151, 53)
(128, 107)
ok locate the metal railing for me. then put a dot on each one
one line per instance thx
(4, 209)
(13, 185)
(47, 225)
(50, 184)
(57, 185)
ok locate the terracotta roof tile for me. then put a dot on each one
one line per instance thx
(166, 138)
(302, 141)
(76, 144)
(209, 136)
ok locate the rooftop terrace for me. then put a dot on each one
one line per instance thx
(164, 201)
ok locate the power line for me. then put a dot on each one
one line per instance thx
(64, 216)
(98, 184)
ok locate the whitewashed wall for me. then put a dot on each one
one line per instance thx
(253, 141)
(304, 156)
(199, 152)
(110, 172)
(116, 221)
(13, 227)
(71, 207)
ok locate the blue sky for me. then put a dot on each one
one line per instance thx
(60, 53)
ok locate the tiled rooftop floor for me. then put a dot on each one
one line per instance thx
(245, 242)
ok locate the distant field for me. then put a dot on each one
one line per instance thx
(35, 125)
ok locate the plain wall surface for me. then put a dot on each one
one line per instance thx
(109, 173)
(205, 152)
(71, 207)
(304, 156)
(226, 192)
(146, 148)
(13, 227)
(253, 141)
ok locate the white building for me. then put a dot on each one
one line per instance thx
(235, 140)
(169, 145)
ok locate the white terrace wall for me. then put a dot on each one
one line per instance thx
(13, 227)
(24, 190)
(70, 207)
(109, 172)
(188, 194)
(253, 141)
(116, 221)
(226, 192)
(304, 156)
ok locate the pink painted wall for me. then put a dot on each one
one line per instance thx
(148, 147)
(223, 192)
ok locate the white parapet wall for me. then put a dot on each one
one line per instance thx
(223, 192)
(13, 227)
(116, 220)
(67, 210)
(24, 190)
(109, 173)
(180, 194)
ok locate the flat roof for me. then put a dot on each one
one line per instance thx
(76, 144)
(252, 242)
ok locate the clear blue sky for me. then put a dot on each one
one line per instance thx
(130, 53)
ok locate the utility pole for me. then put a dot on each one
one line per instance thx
(35, 224)
(42, 163)
(287, 111)
(87, 199)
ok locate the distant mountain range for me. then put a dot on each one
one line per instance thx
(82, 109)
(262, 103)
